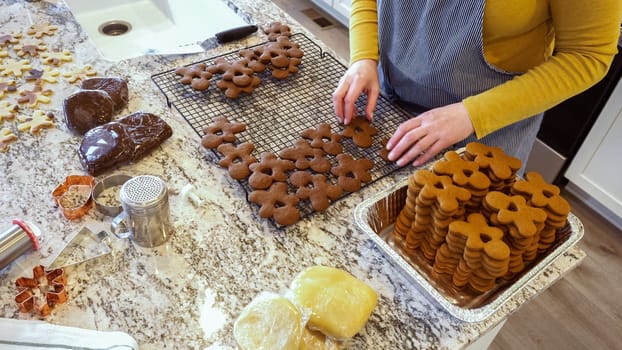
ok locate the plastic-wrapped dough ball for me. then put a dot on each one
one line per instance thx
(340, 303)
(316, 340)
(269, 322)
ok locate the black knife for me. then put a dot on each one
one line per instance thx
(229, 35)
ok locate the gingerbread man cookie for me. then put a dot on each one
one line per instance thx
(351, 173)
(269, 169)
(77, 74)
(463, 172)
(322, 137)
(56, 58)
(14, 67)
(316, 189)
(6, 39)
(360, 131)
(6, 137)
(35, 96)
(8, 111)
(276, 203)
(237, 77)
(276, 29)
(542, 194)
(237, 159)
(219, 131)
(7, 86)
(306, 157)
(196, 76)
(253, 56)
(33, 124)
(48, 74)
(498, 164)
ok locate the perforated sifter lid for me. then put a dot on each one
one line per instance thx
(143, 191)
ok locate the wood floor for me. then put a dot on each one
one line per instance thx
(581, 311)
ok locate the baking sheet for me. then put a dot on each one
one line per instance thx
(376, 215)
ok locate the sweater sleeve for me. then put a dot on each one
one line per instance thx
(363, 30)
(586, 34)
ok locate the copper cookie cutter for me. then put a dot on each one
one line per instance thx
(55, 292)
(74, 196)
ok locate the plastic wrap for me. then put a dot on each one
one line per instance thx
(269, 322)
(340, 304)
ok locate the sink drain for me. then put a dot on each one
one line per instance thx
(115, 28)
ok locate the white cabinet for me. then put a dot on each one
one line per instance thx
(338, 9)
(596, 170)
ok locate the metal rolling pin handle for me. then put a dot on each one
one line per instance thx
(16, 240)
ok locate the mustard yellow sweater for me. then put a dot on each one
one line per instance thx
(562, 46)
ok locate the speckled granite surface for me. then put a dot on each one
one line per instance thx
(188, 292)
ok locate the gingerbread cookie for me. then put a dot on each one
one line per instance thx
(56, 58)
(6, 39)
(7, 86)
(541, 194)
(33, 124)
(237, 159)
(351, 173)
(196, 76)
(360, 131)
(8, 111)
(322, 137)
(276, 203)
(78, 74)
(3, 53)
(306, 157)
(40, 29)
(269, 169)
(14, 67)
(219, 131)
(29, 47)
(253, 56)
(47, 74)
(35, 96)
(316, 189)
(276, 29)
(384, 152)
(500, 167)
(6, 137)
(237, 77)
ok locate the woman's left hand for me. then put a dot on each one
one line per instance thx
(419, 139)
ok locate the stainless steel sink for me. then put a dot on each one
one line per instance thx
(129, 28)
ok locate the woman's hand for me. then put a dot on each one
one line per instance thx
(421, 138)
(361, 77)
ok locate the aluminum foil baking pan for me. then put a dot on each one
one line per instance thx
(376, 215)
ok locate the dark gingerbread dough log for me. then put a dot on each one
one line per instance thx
(86, 109)
(115, 87)
(126, 140)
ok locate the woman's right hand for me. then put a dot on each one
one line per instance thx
(361, 77)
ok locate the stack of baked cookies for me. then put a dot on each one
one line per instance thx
(279, 55)
(473, 220)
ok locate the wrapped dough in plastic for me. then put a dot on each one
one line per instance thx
(340, 303)
(316, 340)
(269, 322)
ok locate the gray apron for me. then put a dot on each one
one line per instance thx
(431, 55)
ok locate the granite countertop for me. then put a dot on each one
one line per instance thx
(188, 292)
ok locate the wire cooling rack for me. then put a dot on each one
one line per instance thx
(278, 111)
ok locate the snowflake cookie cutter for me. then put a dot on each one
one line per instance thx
(54, 290)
